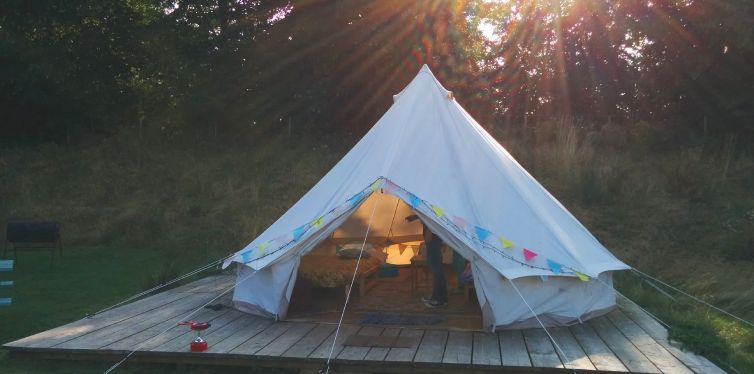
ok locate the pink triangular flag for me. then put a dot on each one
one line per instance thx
(528, 255)
(459, 222)
(390, 187)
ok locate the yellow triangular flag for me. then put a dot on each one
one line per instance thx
(582, 276)
(318, 222)
(376, 185)
(505, 242)
(262, 247)
(438, 211)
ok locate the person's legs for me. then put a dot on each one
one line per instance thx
(434, 263)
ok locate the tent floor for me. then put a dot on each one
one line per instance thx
(392, 299)
(625, 340)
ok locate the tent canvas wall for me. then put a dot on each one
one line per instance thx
(528, 253)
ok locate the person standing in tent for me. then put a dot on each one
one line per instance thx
(433, 246)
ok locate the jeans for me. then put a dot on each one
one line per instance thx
(434, 264)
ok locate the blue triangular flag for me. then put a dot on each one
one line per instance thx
(554, 266)
(355, 199)
(413, 200)
(481, 233)
(299, 232)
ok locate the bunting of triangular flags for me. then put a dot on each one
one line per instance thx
(506, 243)
(262, 247)
(299, 232)
(376, 185)
(318, 222)
(413, 200)
(481, 233)
(355, 199)
(529, 255)
(390, 187)
(582, 276)
(554, 266)
(283, 240)
(438, 211)
(459, 222)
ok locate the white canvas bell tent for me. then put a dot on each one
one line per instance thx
(528, 254)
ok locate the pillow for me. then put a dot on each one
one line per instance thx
(351, 250)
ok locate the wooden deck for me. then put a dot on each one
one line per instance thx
(626, 340)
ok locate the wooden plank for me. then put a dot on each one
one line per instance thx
(216, 284)
(666, 362)
(696, 363)
(629, 355)
(486, 349)
(123, 329)
(168, 330)
(652, 327)
(458, 348)
(600, 355)
(235, 333)
(262, 339)
(285, 341)
(406, 354)
(358, 353)
(432, 346)
(541, 350)
(84, 326)
(379, 353)
(513, 351)
(573, 356)
(323, 350)
(198, 285)
(310, 342)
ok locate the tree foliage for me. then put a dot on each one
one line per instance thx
(213, 67)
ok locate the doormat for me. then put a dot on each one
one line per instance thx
(380, 341)
(379, 318)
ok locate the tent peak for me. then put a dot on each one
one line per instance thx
(425, 69)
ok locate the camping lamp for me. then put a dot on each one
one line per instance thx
(199, 344)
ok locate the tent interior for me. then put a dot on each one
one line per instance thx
(392, 275)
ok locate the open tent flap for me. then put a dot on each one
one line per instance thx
(389, 222)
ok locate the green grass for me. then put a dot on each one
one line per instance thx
(135, 212)
(83, 281)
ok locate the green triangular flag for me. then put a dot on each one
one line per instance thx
(438, 211)
(582, 276)
(262, 247)
(318, 222)
(376, 185)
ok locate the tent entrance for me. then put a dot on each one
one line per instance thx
(392, 275)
